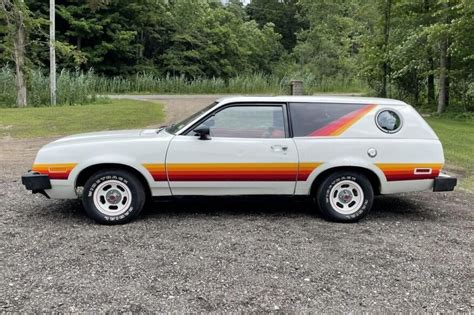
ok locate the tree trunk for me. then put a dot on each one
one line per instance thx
(431, 78)
(443, 77)
(431, 64)
(448, 75)
(445, 65)
(386, 38)
(141, 45)
(19, 55)
(416, 89)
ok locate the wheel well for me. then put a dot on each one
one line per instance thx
(89, 171)
(372, 177)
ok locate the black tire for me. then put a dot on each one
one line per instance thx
(342, 182)
(125, 184)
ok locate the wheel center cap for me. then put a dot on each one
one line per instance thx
(113, 196)
(345, 196)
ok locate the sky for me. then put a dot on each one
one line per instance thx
(243, 1)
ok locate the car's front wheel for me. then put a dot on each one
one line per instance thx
(113, 196)
(345, 196)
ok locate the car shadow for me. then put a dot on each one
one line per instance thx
(215, 206)
(385, 208)
(393, 207)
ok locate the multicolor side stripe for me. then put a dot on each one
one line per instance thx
(305, 169)
(337, 127)
(55, 171)
(231, 171)
(157, 171)
(410, 171)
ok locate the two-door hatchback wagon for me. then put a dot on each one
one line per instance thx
(341, 151)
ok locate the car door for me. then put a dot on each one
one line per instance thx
(248, 153)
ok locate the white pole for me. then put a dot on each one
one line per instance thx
(52, 51)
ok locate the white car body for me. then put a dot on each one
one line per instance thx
(179, 164)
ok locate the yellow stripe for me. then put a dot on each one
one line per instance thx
(154, 166)
(60, 167)
(309, 165)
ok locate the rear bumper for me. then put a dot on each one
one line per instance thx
(36, 182)
(444, 183)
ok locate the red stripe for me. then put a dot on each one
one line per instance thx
(228, 173)
(336, 124)
(159, 177)
(55, 175)
(303, 175)
(410, 176)
(58, 175)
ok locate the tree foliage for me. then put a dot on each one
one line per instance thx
(421, 51)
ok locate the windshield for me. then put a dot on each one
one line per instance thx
(174, 128)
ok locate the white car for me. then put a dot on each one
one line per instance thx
(339, 150)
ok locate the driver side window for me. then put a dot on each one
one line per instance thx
(247, 122)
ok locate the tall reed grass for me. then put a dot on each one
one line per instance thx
(77, 87)
(256, 83)
(73, 87)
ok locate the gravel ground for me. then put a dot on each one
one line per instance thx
(412, 253)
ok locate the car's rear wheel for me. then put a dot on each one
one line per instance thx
(113, 196)
(345, 196)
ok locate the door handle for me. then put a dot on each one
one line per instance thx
(279, 148)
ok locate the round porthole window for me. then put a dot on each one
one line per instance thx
(388, 121)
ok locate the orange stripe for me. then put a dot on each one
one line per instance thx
(55, 171)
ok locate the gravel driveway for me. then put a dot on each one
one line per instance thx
(414, 252)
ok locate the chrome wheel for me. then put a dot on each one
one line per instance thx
(112, 197)
(346, 197)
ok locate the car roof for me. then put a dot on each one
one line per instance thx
(312, 99)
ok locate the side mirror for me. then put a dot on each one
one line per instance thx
(203, 132)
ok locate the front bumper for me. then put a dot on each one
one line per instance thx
(36, 182)
(444, 183)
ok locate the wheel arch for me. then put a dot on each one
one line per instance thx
(87, 172)
(371, 176)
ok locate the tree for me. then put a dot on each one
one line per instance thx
(284, 14)
(324, 48)
(217, 41)
(15, 14)
(377, 47)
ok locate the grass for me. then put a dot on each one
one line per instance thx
(64, 120)
(255, 83)
(457, 137)
(77, 87)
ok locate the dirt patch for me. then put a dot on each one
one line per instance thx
(176, 108)
(412, 253)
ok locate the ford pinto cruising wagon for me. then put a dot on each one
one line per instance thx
(340, 151)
